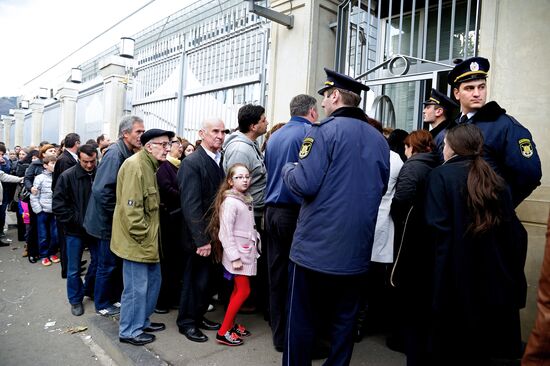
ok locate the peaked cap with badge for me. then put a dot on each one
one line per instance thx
(341, 81)
(473, 68)
(441, 100)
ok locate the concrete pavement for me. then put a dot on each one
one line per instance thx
(32, 297)
(35, 320)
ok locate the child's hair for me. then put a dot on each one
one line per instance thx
(213, 228)
(47, 159)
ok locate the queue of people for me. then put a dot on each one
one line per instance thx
(327, 223)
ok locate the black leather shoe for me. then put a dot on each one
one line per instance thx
(32, 259)
(194, 334)
(161, 311)
(209, 325)
(4, 243)
(77, 309)
(154, 327)
(139, 340)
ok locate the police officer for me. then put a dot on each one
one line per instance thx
(341, 175)
(438, 113)
(508, 147)
(283, 207)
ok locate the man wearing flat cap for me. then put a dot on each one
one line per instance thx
(508, 147)
(341, 174)
(135, 237)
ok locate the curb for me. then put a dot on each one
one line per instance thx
(105, 333)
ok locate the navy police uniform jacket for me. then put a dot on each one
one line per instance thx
(283, 147)
(509, 149)
(342, 173)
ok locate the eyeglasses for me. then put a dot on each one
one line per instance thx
(163, 144)
(241, 177)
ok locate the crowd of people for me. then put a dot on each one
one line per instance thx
(332, 227)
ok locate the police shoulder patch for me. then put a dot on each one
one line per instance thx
(306, 147)
(526, 147)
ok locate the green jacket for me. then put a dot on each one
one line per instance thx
(136, 218)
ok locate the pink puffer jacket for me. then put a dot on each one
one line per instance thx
(238, 236)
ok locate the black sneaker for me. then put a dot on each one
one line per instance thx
(240, 330)
(109, 311)
(229, 339)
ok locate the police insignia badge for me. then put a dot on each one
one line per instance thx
(474, 66)
(306, 147)
(526, 148)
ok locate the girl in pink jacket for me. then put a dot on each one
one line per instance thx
(233, 224)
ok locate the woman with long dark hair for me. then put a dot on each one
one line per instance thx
(479, 249)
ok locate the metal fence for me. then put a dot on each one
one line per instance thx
(89, 113)
(206, 60)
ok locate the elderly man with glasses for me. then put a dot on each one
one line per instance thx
(135, 237)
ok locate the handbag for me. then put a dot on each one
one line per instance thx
(24, 195)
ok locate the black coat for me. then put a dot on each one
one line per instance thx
(34, 169)
(198, 179)
(478, 282)
(170, 211)
(167, 178)
(64, 162)
(407, 213)
(70, 199)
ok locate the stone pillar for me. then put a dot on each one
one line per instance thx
(67, 98)
(37, 107)
(115, 80)
(2, 129)
(308, 47)
(19, 126)
(6, 136)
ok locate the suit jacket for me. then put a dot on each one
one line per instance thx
(199, 178)
(64, 162)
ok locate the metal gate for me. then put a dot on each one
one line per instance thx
(402, 49)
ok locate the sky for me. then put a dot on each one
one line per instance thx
(36, 34)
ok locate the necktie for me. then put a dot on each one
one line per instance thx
(463, 119)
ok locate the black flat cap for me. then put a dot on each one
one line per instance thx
(471, 69)
(154, 132)
(441, 100)
(337, 80)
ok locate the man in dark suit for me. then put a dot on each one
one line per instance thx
(66, 160)
(199, 178)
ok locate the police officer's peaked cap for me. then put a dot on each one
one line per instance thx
(154, 132)
(471, 69)
(441, 100)
(337, 80)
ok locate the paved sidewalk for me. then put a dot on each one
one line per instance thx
(31, 296)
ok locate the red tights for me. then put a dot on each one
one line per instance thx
(241, 290)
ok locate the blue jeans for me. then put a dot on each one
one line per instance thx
(108, 278)
(47, 234)
(141, 290)
(75, 289)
